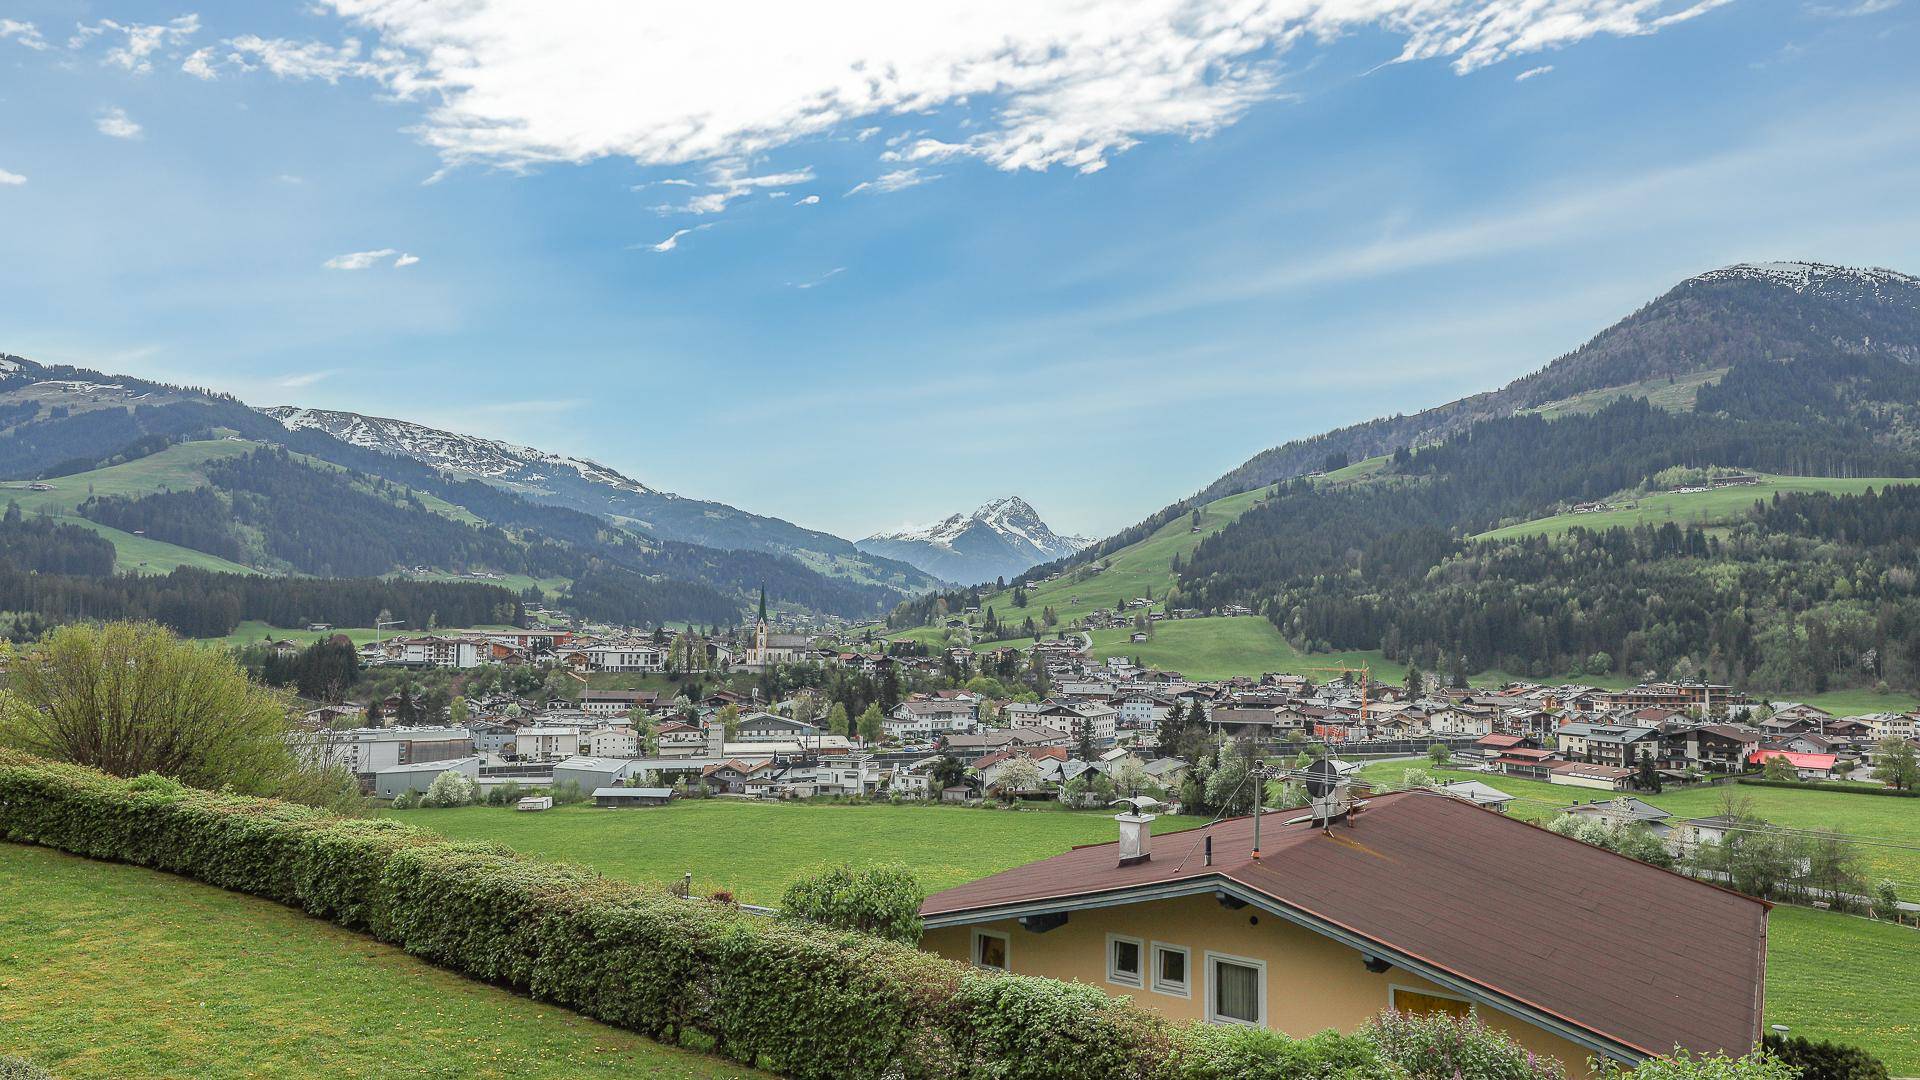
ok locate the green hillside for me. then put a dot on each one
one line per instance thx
(1714, 507)
(177, 468)
(1676, 393)
(115, 971)
(1142, 569)
(1221, 648)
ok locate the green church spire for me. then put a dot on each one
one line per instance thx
(763, 603)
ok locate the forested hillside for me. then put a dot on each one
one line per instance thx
(1426, 554)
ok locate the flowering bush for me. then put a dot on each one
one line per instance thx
(1759, 1065)
(1440, 1047)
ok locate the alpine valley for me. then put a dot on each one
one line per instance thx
(1720, 485)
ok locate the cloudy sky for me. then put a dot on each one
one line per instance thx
(865, 263)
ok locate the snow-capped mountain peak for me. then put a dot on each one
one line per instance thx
(1848, 282)
(1000, 539)
(489, 459)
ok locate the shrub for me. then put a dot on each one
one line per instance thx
(1441, 1047)
(505, 794)
(407, 800)
(14, 1068)
(1683, 1065)
(880, 900)
(1825, 1060)
(568, 792)
(450, 788)
(1220, 1052)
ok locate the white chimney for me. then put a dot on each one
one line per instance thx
(1136, 828)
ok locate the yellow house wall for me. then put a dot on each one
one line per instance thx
(1313, 982)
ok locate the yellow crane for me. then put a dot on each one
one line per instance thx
(1366, 676)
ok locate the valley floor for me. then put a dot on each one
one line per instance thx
(1828, 976)
(114, 971)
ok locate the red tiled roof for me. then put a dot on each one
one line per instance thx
(1466, 891)
(1797, 760)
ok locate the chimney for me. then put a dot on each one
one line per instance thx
(1136, 829)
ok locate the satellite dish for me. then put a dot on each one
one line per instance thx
(1321, 778)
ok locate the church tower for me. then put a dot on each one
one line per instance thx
(759, 654)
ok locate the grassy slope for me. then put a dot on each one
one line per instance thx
(1701, 507)
(112, 971)
(757, 849)
(1828, 975)
(1221, 648)
(177, 467)
(1675, 395)
(1136, 570)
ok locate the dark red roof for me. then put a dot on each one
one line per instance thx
(1548, 922)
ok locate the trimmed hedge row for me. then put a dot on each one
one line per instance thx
(1828, 785)
(802, 1000)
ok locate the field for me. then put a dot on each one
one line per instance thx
(1847, 979)
(176, 468)
(1696, 508)
(756, 849)
(113, 971)
(1137, 570)
(1672, 394)
(1220, 648)
(252, 632)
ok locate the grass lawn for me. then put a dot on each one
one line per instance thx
(1847, 979)
(111, 971)
(1221, 648)
(1700, 507)
(756, 850)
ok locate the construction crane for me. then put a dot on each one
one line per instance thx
(1366, 676)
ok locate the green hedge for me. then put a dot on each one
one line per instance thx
(1828, 785)
(803, 1000)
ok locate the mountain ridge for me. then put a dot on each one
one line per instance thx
(1002, 538)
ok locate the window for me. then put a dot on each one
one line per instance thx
(990, 950)
(1170, 963)
(1427, 1003)
(1124, 959)
(1236, 990)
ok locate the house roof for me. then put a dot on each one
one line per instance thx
(1435, 883)
(1797, 760)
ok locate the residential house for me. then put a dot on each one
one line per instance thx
(1720, 748)
(637, 657)
(766, 727)
(612, 742)
(1604, 744)
(617, 702)
(930, 717)
(546, 743)
(1589, 775)
(1327, 928)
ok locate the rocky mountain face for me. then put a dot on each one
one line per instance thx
(1000, 539)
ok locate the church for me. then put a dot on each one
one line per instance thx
(770, 649)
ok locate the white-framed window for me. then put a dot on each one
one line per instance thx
(1236, 990)
(1126, 960)
(1417, 1002)
(991, 949)
(1172, 970)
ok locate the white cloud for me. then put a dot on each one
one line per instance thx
(898, 180)
(304, 379)
(367, 260)
(1849, 11)
(23, 32)
(810, 200)
(1032, 85)
(200, 64)
(11, 179)
(867, 133)
(139, 41)
(673, 241)
(1533, 73)
(727, 181)
(117, 123)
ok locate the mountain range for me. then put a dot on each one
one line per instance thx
(998, 540)
(1722, 484)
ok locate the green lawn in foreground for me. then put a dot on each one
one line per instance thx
(1863, 816)
(756, 849)
(1220, 648)
(1701, 507)
(1848, 979)
(110, 971)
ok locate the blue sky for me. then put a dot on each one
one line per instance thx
(1100, 256)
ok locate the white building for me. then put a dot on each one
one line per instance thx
(613, 742)
(626, 658)
(366, 751)
(439, 652)
(546, 743)
(924, 719)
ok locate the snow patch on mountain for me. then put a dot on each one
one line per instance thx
(489, 459)
(1856, 282)
(1011, 518)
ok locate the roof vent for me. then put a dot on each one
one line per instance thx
(1136, 828)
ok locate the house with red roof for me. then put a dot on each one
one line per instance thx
(1414, 901)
